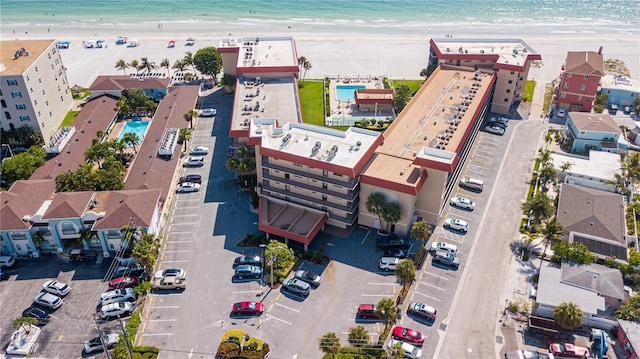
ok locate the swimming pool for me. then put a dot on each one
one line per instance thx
(137, 127)
(345, 92)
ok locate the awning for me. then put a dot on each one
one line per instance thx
(289, 220)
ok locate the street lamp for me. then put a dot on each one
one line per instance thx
(272, 259)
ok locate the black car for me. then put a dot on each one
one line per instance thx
(131, 271)
(193, 178)
(396, 252)
(248, 260)
(40, 315)
(391, 241)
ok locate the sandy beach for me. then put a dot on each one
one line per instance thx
(330, 54)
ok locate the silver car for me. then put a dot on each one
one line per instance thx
(308, 276)
(462, 202)
(446, 258)
(297, 286)
(456, 224)
(188, 187)
(496, 130)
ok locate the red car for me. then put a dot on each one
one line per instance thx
(248, 308)
(367, 311)
(568, 350)
(408, 335)
(123, 282)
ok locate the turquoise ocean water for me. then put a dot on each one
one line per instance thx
(372, 16)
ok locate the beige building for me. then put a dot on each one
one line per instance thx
(34, 87)
(509, 58)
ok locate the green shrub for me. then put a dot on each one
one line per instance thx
(228, 348)
(142, 289)
(317, 257)
(145, 352)
(238, 334)
(419, 258)
(253, 343)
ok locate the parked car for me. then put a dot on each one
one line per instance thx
(367, 311)
(200, 150)
(95, 344)
(309, 277)
(247, 308)
(297, 286)
(247, 271)
(391, 241)
(496, 130)
(172, 272)
(48, 300)
(7, 261)
(448, 247)
(169, 283)
(188, 187)
(446, 258)
(135, 270)
(408, 350)
(407, 335)
(58, 288)
(456, 224)
(396, 252)
(562, 112)
(422, 310)
(472, 183)
(116, 310)
(123, 282)
(193, 178)
(194, 161)
(389, 263)
(208, 112)
(568, 350)
(462, 202)
(38, 314)
(627, 110)
(526, 354)
(118, 295)
(250, 260)
(502, 120)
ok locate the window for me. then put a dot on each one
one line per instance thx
(508, 90)
(4, 103)
(27, 78)
(582, 87)
(46, 103)
(566, 85)
(512, 72)
(16, 94)
(286, 176)
(7, 115)
(506, 99)
(337, 174)
(510, 81)
(563, 95)
(68, 228)
(21, 107)
(568, 76)
(25, 118)
(39, 81)
(12, 127)
(325, 173)
(324, 197)
(324, 185)
(12, 82)
(36, 68)
(579, 97)
(586, 77)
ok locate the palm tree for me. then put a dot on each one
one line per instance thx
(184, 136)
(135, 64)
(551, 232)
(243, 151)
(396, 351)
(547, 174)
(564, 167)
(424, 73)
(330, 343)
(301, 61)
(406, 272)
(568, 315)
(358, 336)
(375, 205)
(620, 183)
(122, 65)
(86, 235)
(188, 60)
(131, 139)
(167, 65)
(307, 66)
(232, 164)
(179, 65)
(147, 65)
(228, 81)
(539, 206)
(421, 230)
(246, 165)
(387, 310)
(25, 322)
(38, 238)
(189, 115)
(391, 214)
(146, 251)
(188, 77)
(544, 157)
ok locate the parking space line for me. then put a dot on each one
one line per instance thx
(284, 306)
(431, 285)
(166, 307)
(435, 275)
(181, 251)
(179, 241)
(365, 237)
(282, 320)
(184, 215)
(157, 334)
(175, 261)
(427, 296)
(383, 283)
(193, 207)
(376, 295)
(184, 224)
(163, 320)
(180, 232)
(247, 291)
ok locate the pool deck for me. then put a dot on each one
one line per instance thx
(349, 109)
(117, 128)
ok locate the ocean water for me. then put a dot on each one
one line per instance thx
(357, 16)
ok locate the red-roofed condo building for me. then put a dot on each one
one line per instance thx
(580, 80)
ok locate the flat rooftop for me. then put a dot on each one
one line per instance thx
(263, 51)
(508, 51)
(437, 118)
(340, 148)
(621, 83)
(21, 64)
(599, 164)
(270, 97)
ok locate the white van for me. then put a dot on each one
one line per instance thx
(472, 183)
(389, 263)
(194, 161)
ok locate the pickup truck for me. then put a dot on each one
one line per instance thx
(169, 283)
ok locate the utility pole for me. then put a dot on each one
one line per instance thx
(126, 338)
(101, 335)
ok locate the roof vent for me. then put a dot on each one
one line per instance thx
(316, 148)
(285, 140)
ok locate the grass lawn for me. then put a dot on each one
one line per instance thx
(311, 102)
(414, 85)
(68, 119)
(527, 96)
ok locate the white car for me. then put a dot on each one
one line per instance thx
(208, 112)
(95, 344)
(7, 261)
(562, 112)
(48, 300)
(194, 161)
(172, 272)
(188, 187)
(200, 150)
(444, 246)
(58, 288)
(408, 350)
(117, 296)
(496, 130)
(456, 224)
(116, 310)
(462, 202)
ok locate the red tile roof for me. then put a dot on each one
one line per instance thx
(68, 205)
(122, 206)
(24, 198)
(122, 82)
(584, 63)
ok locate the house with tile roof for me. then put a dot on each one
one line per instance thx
(154, 86)
(597, 131)
(594, 218)
(579, 81)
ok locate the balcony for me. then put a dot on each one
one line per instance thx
(316, 203)
(350, 184)
(350, 196)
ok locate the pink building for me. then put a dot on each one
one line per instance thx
(580, 80)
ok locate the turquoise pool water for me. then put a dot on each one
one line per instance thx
(345, 92)
(137, 127)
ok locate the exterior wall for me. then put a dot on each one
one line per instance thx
(506, 90)
(577, 92)
(45, 97)
(629, 351)
(230, 61)
(588, 320)
(405, 201)
(368, 107)
(431, 196)
(620, 97)
(591, 138)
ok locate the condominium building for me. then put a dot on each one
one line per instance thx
(509, 58)
(34, 91)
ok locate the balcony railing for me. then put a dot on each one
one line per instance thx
(349, 196)
(304, 200)
(350, 184)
